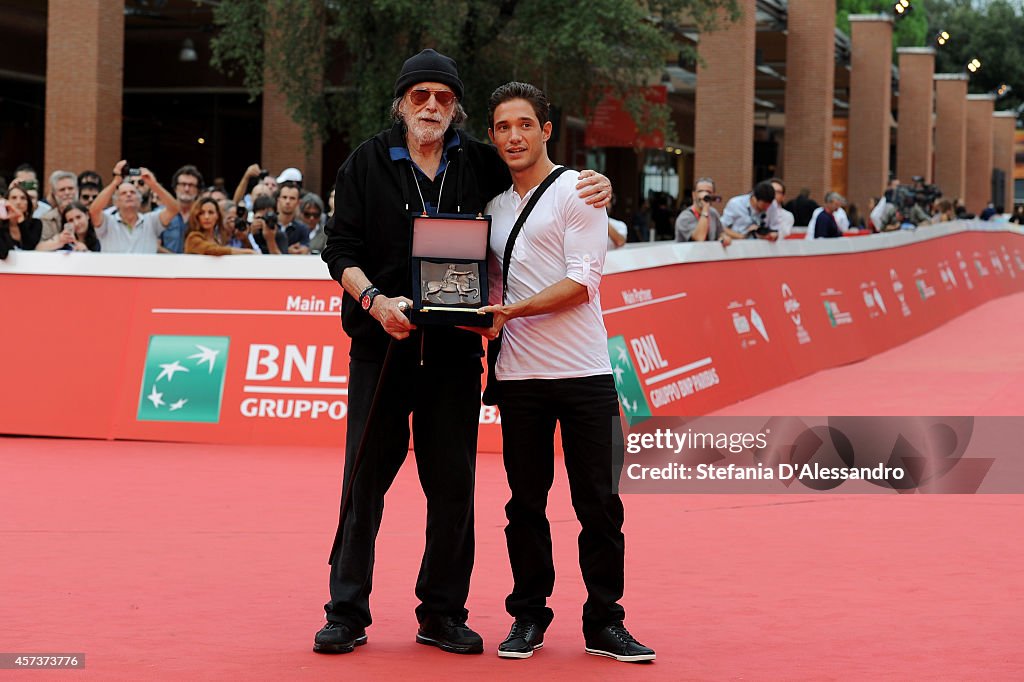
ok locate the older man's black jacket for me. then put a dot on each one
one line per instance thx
(370, 229)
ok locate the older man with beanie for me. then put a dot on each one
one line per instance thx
(423, 164)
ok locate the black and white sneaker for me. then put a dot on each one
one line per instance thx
(523, 639)
(336, 638)
(614, 641)
(449, 634)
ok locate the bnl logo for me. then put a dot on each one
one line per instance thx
(183, 380)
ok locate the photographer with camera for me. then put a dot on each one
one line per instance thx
(204, 219)
(245, 193)
(128, 230)
(700, 221)
(746, 215)
(265, 234)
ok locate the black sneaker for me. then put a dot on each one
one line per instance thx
(449, 634)
(614, 641)
(336, 638)
(523, 639)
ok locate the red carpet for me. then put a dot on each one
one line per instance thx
(166, 561)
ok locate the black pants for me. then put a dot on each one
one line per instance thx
(587, 409)
(445, 406)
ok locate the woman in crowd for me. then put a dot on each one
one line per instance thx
(943, 212)
(204, 218)
(856, 221)
(78, 233)
(76, 214)
(18, 230)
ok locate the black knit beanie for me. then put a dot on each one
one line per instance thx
(428, 67)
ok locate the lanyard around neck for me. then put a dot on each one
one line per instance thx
(416, 182)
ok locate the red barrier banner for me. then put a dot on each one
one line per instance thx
(688, 339)
(236, 350)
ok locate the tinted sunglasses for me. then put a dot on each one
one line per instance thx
(420, 97)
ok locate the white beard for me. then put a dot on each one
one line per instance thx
(425, 133)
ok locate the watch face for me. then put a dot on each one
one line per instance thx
(365, 302)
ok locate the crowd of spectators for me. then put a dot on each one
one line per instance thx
(764, 213)
(274, 214)
(135, 213)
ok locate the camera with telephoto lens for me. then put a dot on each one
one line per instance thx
(923, 195)
(241, 224)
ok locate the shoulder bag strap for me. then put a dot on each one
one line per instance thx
(517, 228)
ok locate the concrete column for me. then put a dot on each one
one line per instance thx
(281, 143)
(84, 82)
(870, 105)
(724, 120)
(951, 133)
(916, 104)
(978, 190)
(1004, 125)
(810, 79)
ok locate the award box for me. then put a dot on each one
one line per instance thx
(449, 270)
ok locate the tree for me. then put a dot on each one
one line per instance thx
(910, 30)
(989, 32)
(573, 50)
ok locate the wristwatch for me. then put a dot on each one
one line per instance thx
(366, 298)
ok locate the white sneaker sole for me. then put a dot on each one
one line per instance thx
(519, 654)
(640, 658)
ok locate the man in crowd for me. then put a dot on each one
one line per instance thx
(267, 236)
(145, 192)
(186, 182)
(434, 373)
(700, 221)
(26, 178)
(553, 369)
(243, 196)
(311, 209)
(127, 230)
(802, 207)
(89, 176)
(295, 230)
(293, 175)
(87, 192)
(839, 215)
(779, 219)
(63, 191)
(825, 225)
(746, 215)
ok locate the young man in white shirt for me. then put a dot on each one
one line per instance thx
(554, 368)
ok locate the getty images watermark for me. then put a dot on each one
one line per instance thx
(822, 454)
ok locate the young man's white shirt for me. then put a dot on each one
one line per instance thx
(562, 237)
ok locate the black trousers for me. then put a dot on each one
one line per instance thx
(445, 405)
(587, 410)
